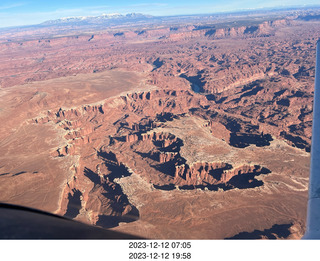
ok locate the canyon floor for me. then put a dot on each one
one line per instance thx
(179, 130)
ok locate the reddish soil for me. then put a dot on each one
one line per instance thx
(188, 133)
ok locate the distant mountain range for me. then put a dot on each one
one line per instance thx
(102, 19)
(117, 19)
(138, 19)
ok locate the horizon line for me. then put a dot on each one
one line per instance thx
(245, 10)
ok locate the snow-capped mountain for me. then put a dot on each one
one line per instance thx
(104, 18)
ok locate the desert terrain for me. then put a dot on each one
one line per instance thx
(193, 128)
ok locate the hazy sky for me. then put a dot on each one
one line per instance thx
(25, 12)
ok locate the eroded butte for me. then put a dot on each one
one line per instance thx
(195, 131)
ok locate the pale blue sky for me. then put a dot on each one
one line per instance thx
(24, 12)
